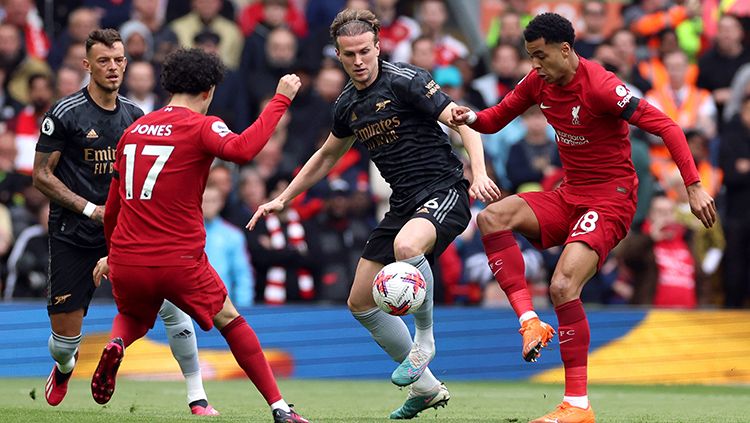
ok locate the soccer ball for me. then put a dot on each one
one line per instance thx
(399, 288)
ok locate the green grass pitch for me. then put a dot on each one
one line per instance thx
(371, 401)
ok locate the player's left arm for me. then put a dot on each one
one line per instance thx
(482, 187)
(614, 98)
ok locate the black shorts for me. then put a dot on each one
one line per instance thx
(70, 281)
(447, 210)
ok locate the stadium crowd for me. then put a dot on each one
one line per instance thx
(688, 58)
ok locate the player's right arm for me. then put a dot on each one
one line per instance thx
(316, 168)
(49, 150)
(493, 119)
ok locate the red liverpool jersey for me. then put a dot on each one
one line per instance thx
(153, 213)
(590, 116)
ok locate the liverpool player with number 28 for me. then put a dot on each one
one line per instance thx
(591, 211)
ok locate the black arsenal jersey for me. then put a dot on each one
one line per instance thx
(87, 136)
(396, 119)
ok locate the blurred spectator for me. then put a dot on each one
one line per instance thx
(254, 53)
(139, 86)
(112, 13)
(177, 9)
(534, 157)
(654, 68)
(433, 15)
(594, 19)
(471, 94)
(503, 74)
(74, 57)
(423, 53)
(280, 52)
(706, 244)
(252, 193)
(226, 249)
(18, 65)
(12, 183)
(151, 14)
(138, 42)
(281, 11)
(320, 13)
(22, 14)
(735, 162)
(80, 23)
(397, 31)
(675, 284)
(28, 121)
(9, 106)
(624, 60)
(691, 107)
(718, 66)
(340, 240)
(67, 81)
(283, 257)
(28, 261)
(228, 102)
(740, 88)
(651, 18)
(205, 15)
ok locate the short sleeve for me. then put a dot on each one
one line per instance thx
(425, 94)
(614, 97)
(341, 128)
(52, 135)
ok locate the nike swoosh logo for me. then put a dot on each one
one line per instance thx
(551, 421)
(542, 106)
(567, 340)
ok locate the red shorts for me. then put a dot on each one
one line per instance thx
(196, 289)
(599, 216)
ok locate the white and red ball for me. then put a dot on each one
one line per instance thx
(399, 288)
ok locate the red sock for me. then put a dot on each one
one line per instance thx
(246, 350)
(506, 264)
(575, 337)
(127, 328)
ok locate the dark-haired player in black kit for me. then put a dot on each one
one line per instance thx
(394, 110)
(73, 167)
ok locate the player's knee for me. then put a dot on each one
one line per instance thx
(404, 249)
(563, 289)
(225, 316)
(493, 219)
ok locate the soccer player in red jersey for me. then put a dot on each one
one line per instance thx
(153, 220)
(591, 211)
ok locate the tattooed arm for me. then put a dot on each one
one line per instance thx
(49, 184)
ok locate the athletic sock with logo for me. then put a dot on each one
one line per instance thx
(506, 263)
(575, 337)
(182, 342)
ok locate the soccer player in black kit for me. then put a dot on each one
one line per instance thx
(73, 166)
(394, 110)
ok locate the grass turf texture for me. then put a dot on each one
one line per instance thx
(370, 401)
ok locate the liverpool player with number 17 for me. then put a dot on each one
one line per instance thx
(153, 221)
(591, 211)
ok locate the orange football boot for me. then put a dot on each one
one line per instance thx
(536, 335)
(566, 413)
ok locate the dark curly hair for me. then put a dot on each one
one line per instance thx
(550, 26)
(191, 71)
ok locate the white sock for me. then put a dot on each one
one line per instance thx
(281, 404)
(67, 367)
(423, 316)
(184, 346)
(527, 316)
(63, 350)
(390, 332)
(195, 390)
(426, 384)
(580, 402)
